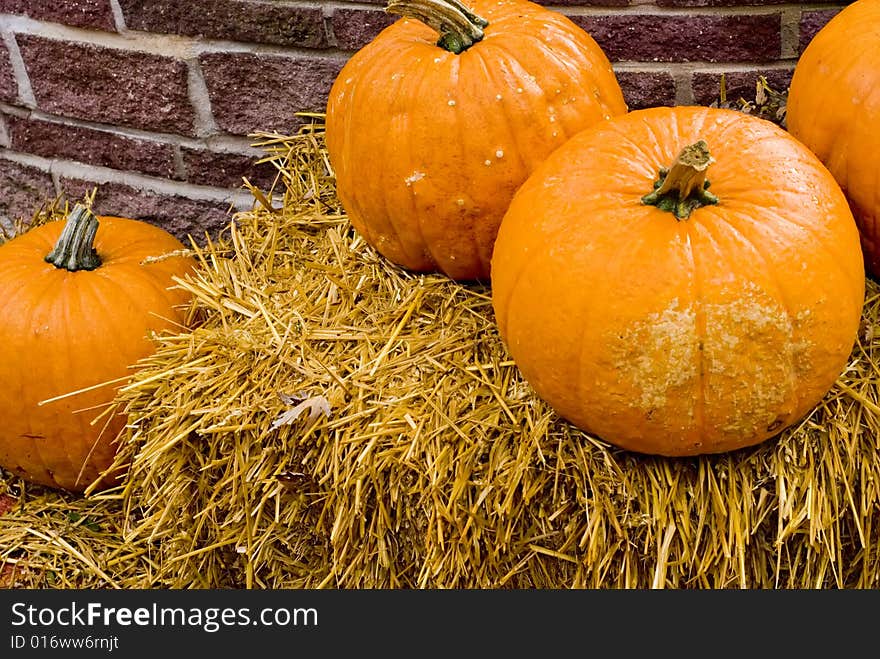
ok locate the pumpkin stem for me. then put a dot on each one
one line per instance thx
(459, 27)
(75, 249)
(683, 187)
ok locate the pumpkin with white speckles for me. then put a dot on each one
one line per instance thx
(429, 139)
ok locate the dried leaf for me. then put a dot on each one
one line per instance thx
(316, 405)
(760, 92)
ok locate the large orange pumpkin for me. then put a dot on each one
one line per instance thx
(78, 310)
(430, 139)
(834, 108)
(667, 317)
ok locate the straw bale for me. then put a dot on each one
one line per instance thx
(337, 422)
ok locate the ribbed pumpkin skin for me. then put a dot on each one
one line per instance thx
(679, 337)
(834, 108)
(62, 331)
(428, 147)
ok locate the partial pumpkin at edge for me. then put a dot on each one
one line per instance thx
(74, 325)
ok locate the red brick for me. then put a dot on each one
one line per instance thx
(354, 28)
(7, 503)
(739, 84)
(23, 189)
(258, 22)
(108, 85)
(93, 147)
(176, 214)
(644, 89)
(584, 3)
(8, 85)
(225, 170)
(734, 3)
(812, 22)
(244, 103)
(717, 3)
(668, 38)
(79, 13)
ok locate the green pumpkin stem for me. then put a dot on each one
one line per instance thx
(683, 187)
(459, 27)
(75, 249)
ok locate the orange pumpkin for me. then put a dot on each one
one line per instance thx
(672, 318)
(834, 108)
(430, 139)
(75, 318)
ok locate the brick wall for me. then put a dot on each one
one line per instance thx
(153, 101)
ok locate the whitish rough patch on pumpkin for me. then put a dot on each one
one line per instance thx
(753, 383)
(657, 358)
(802, 347)
(413, 178)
